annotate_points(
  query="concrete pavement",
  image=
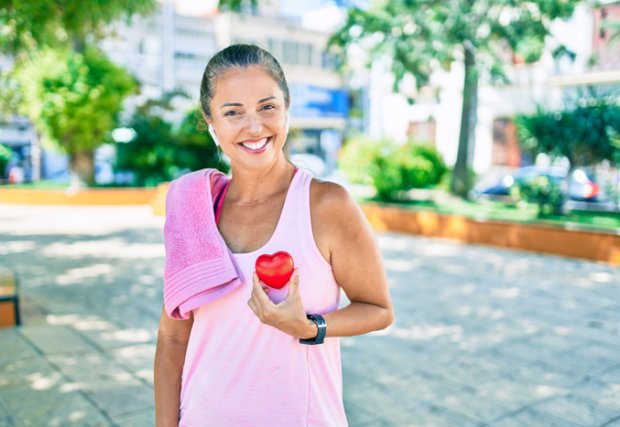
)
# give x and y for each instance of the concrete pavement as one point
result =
(483, 336)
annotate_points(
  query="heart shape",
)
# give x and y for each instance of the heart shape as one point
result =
(275, 270)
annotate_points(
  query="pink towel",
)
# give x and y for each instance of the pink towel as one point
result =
(199, 266)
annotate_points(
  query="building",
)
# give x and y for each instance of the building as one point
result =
(169, 50)
(435, 117)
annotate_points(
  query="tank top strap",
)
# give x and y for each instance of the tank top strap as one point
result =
(296, 211)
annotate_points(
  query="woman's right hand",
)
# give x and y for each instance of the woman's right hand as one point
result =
(288, 315)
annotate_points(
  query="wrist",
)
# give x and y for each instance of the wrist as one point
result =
(308, 330)
(320, 329)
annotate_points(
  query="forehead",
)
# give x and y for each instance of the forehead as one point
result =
(248, 82)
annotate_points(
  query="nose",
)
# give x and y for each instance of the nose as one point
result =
(254, 123)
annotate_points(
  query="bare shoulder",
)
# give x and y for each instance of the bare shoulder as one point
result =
(335, 213)
(331, 200)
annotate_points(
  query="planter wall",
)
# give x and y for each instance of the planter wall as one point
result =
(88, 196)
(597, 246)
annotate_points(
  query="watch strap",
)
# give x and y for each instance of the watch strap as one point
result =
(321, 325)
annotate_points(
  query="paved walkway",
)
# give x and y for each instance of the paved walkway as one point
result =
(483, 336)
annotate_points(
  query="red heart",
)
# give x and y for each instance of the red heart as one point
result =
(275, 270)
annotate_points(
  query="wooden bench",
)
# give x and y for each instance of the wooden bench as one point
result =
(9, 298)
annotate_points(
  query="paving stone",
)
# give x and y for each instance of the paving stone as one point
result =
(611, 375)
(357, 416)
(613, 423)
(480, 332)
(93, 371)
(432, 416)
(475, 405)
(390, 399)
(577, 410)
(530, 417)
(51, 339)
(137, 359)
(49, 404)
(121, 399)
(26, 371)
(140, 418)
(14, 346)
(604, 393)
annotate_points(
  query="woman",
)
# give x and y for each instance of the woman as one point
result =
(242, 359)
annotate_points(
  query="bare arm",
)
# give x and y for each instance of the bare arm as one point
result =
(347, 240)
(356, 262)
(172, 338)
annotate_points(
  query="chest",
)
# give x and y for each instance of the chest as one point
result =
(248, 228)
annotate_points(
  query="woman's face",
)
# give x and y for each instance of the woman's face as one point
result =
(248, 114)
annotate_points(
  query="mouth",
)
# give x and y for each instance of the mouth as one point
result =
(256, 146)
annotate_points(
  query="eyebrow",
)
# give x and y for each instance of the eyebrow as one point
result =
(237, 104)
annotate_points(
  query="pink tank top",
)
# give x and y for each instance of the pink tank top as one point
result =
(239, 372)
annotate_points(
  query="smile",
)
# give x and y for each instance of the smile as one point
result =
(256, 145)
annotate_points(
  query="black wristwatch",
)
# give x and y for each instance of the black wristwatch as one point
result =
(319, 321)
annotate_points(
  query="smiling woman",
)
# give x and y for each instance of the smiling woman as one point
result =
(232, 351)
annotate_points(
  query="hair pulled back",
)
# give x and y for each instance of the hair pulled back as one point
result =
(239, 56)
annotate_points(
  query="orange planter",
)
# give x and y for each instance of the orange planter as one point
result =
(87, 196)
(597, 246)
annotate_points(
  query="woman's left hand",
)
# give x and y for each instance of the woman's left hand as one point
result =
(288, 316)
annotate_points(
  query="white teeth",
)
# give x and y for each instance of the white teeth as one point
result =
(255, 145)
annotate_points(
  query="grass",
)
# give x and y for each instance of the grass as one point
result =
(504, 211)
(43, 185)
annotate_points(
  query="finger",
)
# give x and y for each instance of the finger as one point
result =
(293, 288)
(258, 292)
(252, 305)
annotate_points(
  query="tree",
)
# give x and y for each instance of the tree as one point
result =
(421, 36)
(26, 25)
(160, 152)
(585, 132)
(81, 113)
(73, 100)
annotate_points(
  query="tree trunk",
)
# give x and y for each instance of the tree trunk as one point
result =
(83, 167)
(461, 178)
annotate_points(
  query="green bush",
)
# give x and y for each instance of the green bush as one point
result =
(423, 166)
(543, 191)
(161, 153)
(391, 168)
(5, 156)
(357, 159)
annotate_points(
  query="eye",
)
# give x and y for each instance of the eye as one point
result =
(230, 113)
(269, 107)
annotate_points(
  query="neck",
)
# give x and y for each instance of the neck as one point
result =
(255, 186)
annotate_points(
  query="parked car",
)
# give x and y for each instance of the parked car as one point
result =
(581, 186)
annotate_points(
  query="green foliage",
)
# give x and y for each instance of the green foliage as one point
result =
(160, 152)
(424, 166)
(10, 96)
(35, 24)
(421, 36)
(5, 156)
(391, 168)
(237, 5)
(543, 191)
(356, 159)
(73, 99)
(586, 133)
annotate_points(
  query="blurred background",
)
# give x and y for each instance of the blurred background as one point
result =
(487, 122)
(472, 91)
